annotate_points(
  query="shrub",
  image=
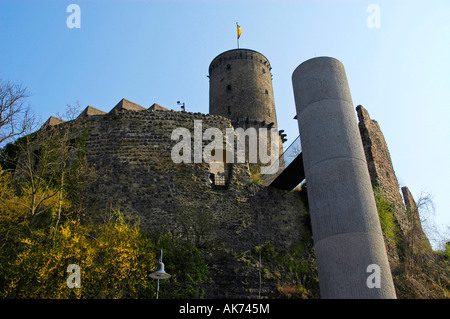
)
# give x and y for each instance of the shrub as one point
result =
(115, 262)
(388, 222)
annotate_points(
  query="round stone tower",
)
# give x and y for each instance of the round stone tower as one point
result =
(241, 88)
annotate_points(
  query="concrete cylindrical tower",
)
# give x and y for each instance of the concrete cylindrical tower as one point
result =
(349, 246)
(241, 87)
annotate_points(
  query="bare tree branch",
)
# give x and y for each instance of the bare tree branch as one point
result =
(15, 117)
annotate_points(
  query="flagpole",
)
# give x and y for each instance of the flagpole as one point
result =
(237, 34)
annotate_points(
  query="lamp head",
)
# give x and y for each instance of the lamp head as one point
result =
(160, 273)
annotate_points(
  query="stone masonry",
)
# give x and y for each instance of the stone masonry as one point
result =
(383, 175)
(130, 151)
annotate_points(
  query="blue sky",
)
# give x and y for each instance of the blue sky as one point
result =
(159, 52)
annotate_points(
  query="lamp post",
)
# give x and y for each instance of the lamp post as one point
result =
(159, 274)
(182, 106)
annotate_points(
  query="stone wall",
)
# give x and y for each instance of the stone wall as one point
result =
(379, 163)
(383, 175)
(131, 153)
(418, 237)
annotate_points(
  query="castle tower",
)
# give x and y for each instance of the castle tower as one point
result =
(241, 88)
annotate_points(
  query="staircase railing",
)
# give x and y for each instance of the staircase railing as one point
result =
(283, 161)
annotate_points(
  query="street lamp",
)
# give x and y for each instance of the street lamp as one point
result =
(182, 106)
(159, 273)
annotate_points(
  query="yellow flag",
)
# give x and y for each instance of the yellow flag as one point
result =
(238, 31)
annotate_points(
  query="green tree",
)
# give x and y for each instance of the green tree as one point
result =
(50, 172)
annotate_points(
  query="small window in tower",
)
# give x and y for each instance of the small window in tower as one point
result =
(229, 87)
(228, 66)
(229, 109)
(267, 92)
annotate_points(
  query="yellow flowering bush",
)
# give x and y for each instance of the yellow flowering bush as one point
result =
(115, 262)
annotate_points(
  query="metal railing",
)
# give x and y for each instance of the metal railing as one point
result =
(283, 161)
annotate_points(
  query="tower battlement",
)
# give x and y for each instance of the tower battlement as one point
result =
(239, 54)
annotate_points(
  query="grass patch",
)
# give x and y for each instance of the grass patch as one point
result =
(389, 224)
(255, 174)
